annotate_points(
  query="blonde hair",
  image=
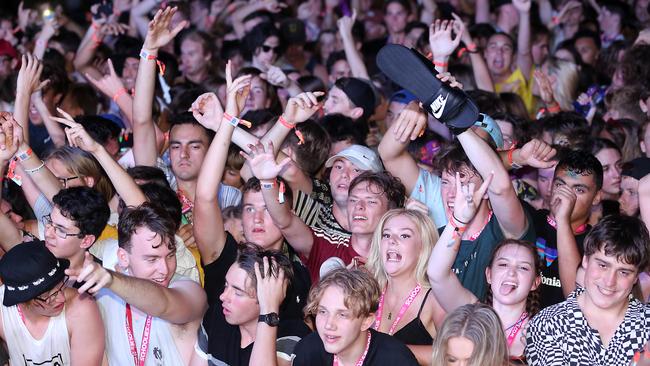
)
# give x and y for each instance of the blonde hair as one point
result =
(82, 164)
(428, 235)
(361, 292)
(566, 82)
(481, 325)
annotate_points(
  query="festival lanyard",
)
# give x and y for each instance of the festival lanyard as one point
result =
(579, 230)
(144, 345)
(514, 329)
(363, 356)
(402, 311)
(476, 235)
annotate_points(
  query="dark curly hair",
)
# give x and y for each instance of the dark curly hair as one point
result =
(533, 299)
(583, 163)
(86, 207)
(249, 254)
(389, 185)
(625, 237)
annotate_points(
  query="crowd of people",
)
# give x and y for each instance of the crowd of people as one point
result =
(325, 182)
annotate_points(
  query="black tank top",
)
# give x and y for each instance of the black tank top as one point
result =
(414, 332)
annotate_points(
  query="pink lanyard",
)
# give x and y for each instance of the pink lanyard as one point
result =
(144, 345)
(363, 356)
(514, 329)
(405, 306)
(579, 230)
(476, 235)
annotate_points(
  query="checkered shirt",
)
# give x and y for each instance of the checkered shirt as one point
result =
(560, 335)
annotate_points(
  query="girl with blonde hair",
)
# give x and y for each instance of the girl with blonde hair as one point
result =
(471, 335)
(398, 260)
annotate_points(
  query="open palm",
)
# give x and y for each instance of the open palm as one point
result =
(262, 162)
(159, 33)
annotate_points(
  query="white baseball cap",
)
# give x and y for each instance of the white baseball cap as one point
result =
(362, 157)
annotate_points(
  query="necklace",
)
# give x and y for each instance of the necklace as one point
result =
(407, 303)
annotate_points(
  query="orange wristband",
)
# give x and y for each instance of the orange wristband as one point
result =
(118, 94)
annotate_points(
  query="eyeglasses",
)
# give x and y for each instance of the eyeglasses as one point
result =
(64, 181)
(266, 48)
(50, 298)
(60, 232)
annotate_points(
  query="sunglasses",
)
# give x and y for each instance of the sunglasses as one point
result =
(266, 48)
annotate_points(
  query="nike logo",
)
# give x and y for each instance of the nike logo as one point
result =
(438, 105)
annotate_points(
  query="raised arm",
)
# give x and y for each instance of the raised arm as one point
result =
(11, 137)
(357, 66)
(112, 87)
(392, 149)
(145, 151)
(482, 11)
(272, 6)
(445, 285)
(209, 233)
(568, 255)
(266, 169)
(28, 82)
(479, 67)
(524, 55)
(442, 44)
(644, 200)
(503, 198)
(184, 301)
(125, 186)
(99, 28)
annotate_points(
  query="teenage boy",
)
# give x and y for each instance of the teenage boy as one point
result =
(600, 323)
(147, 314)
(576, 187)
(44, 322)
(632, 173)
(219, 249)
(344, 303)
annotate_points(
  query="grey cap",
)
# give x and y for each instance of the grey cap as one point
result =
(361, 156)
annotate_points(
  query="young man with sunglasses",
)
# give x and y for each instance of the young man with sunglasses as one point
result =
(42, 321)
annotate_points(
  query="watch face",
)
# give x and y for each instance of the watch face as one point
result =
(272, 319)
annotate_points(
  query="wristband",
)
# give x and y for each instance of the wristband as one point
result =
(512, 164)
(30, 171)
(118, 94)
(458, 230)
(440, 64)
(456, 219)
(281, 193)
(285, 123)
(23, 155)
(11, 173)
(96, 39)
(234, 121)
(472, 48)
(150, 56)
(267, 185)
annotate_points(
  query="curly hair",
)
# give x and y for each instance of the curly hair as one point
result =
(85, 206)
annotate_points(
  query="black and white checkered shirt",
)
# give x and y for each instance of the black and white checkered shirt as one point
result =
(560, 335)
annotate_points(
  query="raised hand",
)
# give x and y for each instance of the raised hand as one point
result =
(410, 123)
(446, 77)
(440, 40)
(468, 199)
(562, 203)
(77, 135)
(207, 110)
(570, 5)
(11, 137)
(109, 84)
(262, 162)
(29, 75)
(271, 286)
(24, 16)
(159, 34)
(460, 28)
(301, 107)
(93, 274)
(544, 85)
(535, 153)
(237, 91)
(346, 23)
(522, 6)
(273, 6)
(276, 77)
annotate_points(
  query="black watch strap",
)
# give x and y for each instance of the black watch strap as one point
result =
(271, 319)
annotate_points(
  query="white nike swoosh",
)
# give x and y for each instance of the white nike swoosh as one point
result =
(437, 113)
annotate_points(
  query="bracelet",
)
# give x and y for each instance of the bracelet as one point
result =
(30, 171)
(281, 192)
(456, 219)
(472, 48)
(440, 64)
(24, 155)
(285, 123)
(234, 121)
(554, 107)
(458, 231)
(118, 94)
(512, 164)
(144, 54)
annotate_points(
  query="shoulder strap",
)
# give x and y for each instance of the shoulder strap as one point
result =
(424, 301)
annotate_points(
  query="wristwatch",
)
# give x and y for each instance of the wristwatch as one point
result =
(271, 319)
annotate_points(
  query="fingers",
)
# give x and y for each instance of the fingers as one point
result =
(228, 73)
(486, 184)
(66, 115)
